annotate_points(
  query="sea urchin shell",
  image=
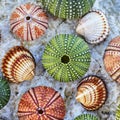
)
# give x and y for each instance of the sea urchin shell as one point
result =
(41, 103)
(118, 113)
(66, 57)
(28, 22)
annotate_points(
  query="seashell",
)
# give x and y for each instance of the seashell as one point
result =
(28, 22)
(68, 9)
(91, 93)
(112, 59)
(4, 92)
(94, 27)
(18, 64)
(66, 57)
(41, 103)
(118, 113)
(87, 117)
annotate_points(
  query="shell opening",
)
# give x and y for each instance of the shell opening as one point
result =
(28, 18)
(65, 59)
(40, 111)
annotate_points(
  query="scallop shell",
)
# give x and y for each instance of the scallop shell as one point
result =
(41, 103)
(68, 8)
(66, 57)
(4, 92)
(112, 59)
(28, 22)
(18, 64)
(118, 113)
(91, 93)
(94, 27)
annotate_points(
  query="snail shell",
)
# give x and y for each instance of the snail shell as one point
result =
(91, 93)
(18, 64)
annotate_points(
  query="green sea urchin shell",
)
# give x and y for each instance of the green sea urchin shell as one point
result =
(86, 117)
(66, 57)
(118, 113)
(68, 8)
(4, 92)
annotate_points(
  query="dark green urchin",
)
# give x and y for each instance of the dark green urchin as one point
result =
(86, 117)
(68, 8)
(4, 92)
(118, 113)
(66, 57)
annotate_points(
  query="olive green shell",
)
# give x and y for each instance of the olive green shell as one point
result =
(86, 117)
(4, 92)
(118, 113)
(66, 57)
(68, 8)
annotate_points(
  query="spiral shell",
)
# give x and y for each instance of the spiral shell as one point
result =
(18, 64)
(4, 92)
(66, 57)
(91, 93)
(68, 8)
(41, 103)
(112, 59)
(118, 113)
(28, 22)
(94, 27)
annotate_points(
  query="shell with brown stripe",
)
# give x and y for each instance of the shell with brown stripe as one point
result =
(41, 103)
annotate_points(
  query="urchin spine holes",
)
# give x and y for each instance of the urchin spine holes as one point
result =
(65, 59)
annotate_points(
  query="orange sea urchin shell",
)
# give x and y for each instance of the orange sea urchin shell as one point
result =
(41, 103)
(28, 22)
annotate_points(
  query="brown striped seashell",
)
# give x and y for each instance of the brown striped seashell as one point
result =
(41, 103)
(18, 64)
(112, 59)
(94, 27)
(91, 93)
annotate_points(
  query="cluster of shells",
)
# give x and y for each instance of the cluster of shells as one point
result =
(29, 22)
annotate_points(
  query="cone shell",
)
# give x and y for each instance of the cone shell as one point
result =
(118, 113)
(18, 64)
(28, 22)
(112, 59)
(41, 103)
(91, 93)
(94, 27)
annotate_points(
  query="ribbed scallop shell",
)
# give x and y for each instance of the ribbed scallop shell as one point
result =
(18, 64)
(118, 113)
(94, 27)
(91, 93)
(41, 103)
(28, 22)
(68, 8)
(4, 92)
(66, 57)
(112, 59)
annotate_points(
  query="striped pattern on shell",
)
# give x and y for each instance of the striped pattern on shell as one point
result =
(66, 57)
(28, 22)
(4, 92)
(68, 8)
(112, 59)
(18, 64)
(91, 93)
(118, 113)
(94, 27)
(41, 103)
(86, 117)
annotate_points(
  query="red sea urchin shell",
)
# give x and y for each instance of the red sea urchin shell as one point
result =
(41, 103)
(28, 22)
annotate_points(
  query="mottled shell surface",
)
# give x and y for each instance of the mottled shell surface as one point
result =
(94, 27)
(86, 117)
(41, 103)
(18, 64)
(112, 59)
(91, 93)
(66, 57)
(28, 22)
(68, 8)
(118, 113)
(4, 92)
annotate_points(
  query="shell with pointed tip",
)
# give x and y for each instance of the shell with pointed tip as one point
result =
(94, 27)
(18, 64)
(118, 113)
(112, 59)
(91, 93)
(4, 92)
(41, 103)
(66, 57)
(28, 22)
(68, 9)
